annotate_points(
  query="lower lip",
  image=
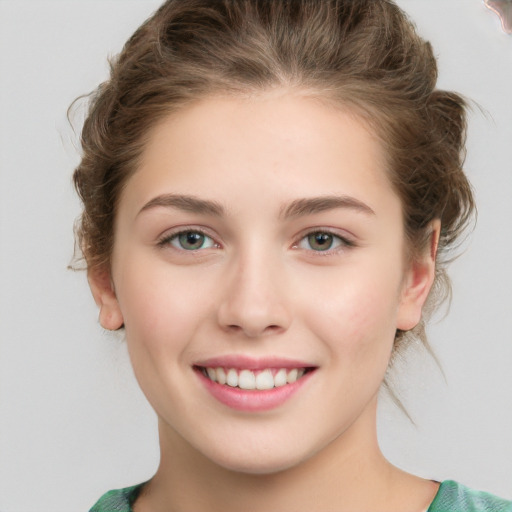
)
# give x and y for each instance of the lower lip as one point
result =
(252, 400)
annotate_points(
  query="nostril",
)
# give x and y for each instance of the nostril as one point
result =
(253, 331)
(273, 329)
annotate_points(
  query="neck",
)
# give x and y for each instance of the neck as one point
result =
(350, 472)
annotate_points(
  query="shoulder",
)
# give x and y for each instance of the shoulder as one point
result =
(118, 500)
(455, 497)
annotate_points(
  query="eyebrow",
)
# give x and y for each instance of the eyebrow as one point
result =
(186, 203)
(309, 206)
(297, 208)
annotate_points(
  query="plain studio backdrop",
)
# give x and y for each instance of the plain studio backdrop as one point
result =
(72, 420)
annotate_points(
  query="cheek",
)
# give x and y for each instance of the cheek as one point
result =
(357, 319)
(161, 309)
(162, 314)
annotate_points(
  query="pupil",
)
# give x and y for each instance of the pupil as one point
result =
(320, 241)
(191, 240)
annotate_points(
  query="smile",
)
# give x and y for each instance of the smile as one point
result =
(253, 386)
(264, 379)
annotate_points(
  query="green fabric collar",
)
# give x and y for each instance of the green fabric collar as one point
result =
(451, 497)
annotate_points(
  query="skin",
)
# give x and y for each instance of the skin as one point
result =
(258, 288)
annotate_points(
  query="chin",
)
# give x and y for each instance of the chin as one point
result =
(258, 467)
(258, 461)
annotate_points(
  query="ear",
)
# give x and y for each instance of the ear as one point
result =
(104, 295)
(418, 282)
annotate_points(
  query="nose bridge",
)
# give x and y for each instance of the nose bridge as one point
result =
(255, 301)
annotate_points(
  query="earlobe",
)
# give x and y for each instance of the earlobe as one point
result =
(418, 282)
(104, 295)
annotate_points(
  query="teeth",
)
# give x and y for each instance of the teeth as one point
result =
(280, 378)
(247, 379)
(232, 378)
(292, 376)
(264, 380)
(221, 376)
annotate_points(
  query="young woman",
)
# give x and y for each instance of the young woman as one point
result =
(269, 190)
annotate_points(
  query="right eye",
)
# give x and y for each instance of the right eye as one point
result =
(324, 241)
(190, 240)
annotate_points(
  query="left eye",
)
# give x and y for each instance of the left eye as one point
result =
(321, 241)
(191, 241)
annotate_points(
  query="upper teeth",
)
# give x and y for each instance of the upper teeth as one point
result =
(247, 379)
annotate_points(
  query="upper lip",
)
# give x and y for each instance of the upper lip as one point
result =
(252, 363)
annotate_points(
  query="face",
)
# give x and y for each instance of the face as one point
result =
(259, 270)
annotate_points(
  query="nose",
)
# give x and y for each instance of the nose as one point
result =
(255, 301)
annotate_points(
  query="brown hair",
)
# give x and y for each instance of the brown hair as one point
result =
(363, 55)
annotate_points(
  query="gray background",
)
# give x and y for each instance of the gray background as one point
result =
(72, 421)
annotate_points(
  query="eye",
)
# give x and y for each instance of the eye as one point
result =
(322, 241)
(191, 240)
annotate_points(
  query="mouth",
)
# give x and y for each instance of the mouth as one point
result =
(254, 380)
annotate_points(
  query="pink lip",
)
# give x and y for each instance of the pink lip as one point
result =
(240, 362)
(251, 400)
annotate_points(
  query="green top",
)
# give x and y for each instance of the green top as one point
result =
(451, 497)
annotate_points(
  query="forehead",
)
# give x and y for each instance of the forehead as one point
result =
(278, 143)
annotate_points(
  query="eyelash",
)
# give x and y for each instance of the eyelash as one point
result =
(342, 243)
